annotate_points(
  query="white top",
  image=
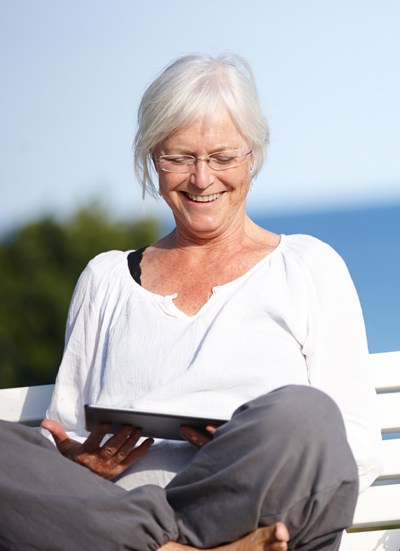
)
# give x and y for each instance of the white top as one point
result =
(294, 318)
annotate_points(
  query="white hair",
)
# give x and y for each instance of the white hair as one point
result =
(194, 87)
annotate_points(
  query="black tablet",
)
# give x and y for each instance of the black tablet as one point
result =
(155, 425)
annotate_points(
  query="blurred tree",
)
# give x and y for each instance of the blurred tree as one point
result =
(39, 266)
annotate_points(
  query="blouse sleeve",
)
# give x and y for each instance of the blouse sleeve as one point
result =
(71, 390)
(337, 357)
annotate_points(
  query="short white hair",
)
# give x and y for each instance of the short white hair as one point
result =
(194, 87)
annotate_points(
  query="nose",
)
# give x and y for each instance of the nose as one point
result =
(201, 174)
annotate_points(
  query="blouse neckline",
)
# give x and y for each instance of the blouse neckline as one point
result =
(167, 301)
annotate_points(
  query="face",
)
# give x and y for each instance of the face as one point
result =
(206, 203)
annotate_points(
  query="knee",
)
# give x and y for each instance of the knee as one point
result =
(296, 410)
(307, 403)
(302, 426)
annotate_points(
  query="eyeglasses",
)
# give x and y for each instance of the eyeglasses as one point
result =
(223, 160)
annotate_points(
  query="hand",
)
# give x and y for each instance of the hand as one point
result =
(109, 460)
(196, 438)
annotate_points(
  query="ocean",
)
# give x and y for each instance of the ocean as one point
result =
(368, 239)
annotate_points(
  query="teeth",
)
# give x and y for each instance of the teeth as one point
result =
(203, 198)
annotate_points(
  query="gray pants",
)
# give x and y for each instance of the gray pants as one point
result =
(283, 456)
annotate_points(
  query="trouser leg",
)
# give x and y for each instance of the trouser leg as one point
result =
(49, 503)
(282, 457)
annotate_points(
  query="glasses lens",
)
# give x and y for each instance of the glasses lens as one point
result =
(217, 161)
(225, 159)
(176, 163)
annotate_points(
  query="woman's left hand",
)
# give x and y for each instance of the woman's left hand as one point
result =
(196, 438)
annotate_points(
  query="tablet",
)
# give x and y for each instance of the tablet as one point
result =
(154, 425)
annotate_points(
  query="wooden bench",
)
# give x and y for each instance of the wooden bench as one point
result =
(377, 518)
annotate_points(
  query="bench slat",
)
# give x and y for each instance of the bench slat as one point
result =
(389, 405)
(385, 371)
(391, 459)
(377, 540)
(26, 405)
(378, 506)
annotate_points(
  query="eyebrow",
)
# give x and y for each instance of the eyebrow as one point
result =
(186, 151)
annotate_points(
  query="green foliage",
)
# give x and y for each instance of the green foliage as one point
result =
(39, 266)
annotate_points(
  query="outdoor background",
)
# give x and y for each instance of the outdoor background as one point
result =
(72, 74)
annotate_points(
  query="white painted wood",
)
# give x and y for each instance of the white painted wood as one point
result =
(386, 371)
(380, 540)
(391, 459)
(378, 506)
(26, 404)
(389, 405)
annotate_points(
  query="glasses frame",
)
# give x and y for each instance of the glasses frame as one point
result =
(193, 160)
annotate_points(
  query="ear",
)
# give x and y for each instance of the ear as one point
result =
(155, 166)
(154, 154)
(252, 162)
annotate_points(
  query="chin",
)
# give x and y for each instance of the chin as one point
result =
(209, 231)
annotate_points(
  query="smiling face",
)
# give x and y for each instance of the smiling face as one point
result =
(206, 203)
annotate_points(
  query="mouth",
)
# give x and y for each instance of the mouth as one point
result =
(202, 198)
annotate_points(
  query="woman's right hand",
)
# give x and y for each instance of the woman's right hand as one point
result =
(196, 438)
(109, 460)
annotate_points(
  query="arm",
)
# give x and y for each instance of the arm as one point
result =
(74, 385)
(337, 357)
(73, 380)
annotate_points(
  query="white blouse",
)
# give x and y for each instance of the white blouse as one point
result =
(294, 318)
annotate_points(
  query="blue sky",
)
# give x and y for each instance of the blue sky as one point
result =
(72, 74)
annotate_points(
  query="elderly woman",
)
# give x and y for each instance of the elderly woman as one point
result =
(217, 314)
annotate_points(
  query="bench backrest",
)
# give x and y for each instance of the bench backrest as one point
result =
(377, 518)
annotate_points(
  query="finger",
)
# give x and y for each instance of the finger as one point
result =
(56, 430)
(281, 532)
(111, 470)
(279, 546)
(120, 445)
(93, 441)
(268, 538)
(115, 469)
(128, 445)
(137, 453)
(195, 438)
(211, 429)
(278, 538)
(65, 445)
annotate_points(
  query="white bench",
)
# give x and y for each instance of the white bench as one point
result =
(377, 518)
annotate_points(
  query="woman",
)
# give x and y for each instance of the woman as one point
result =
(216, 313)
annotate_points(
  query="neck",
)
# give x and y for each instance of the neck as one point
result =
(234, 238)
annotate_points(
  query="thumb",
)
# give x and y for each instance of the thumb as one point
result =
(65, 445)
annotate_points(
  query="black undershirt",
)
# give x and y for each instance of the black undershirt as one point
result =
(134, 260)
